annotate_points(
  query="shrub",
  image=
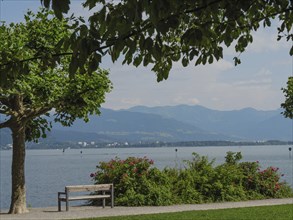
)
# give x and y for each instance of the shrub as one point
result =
(263, 183)
(228, 184)
(138, 183)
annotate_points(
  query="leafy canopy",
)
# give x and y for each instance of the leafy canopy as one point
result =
(288, 104)
(41, 85)
(159, 33)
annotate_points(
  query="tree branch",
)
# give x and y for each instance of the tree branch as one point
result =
(29, 114)
(4, 100)
(200, 8)
(6, 124)
(3, 112)
(35, 58)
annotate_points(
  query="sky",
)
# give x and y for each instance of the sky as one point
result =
(255, 83)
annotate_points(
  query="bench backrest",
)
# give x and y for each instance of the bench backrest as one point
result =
(82, 188)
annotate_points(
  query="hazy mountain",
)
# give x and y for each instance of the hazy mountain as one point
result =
(135, 126)
(173, 123)
(246, 123)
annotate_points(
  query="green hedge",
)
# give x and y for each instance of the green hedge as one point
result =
(138, 183)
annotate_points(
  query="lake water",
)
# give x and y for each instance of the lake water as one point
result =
(48, 171)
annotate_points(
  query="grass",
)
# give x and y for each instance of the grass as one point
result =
(276, 212)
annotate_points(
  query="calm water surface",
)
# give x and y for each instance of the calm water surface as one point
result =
(48, 171)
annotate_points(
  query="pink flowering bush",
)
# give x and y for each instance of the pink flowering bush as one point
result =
(138, 183)
(267, 183)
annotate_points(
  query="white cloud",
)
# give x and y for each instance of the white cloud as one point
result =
(184, 100)
(265, 41)
(263, 73)
(260, 78)
(253, 82)
(131, 102)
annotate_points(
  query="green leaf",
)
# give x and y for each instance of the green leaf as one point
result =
(211, 59)
(198, 61)
(236, 61)
(148, 44)
(185, 61)
(94, 62)
(60, 7)
(147, 59)
(137, 61)
(90, 3)
(173, 22)
(193, 53)
(157, 53)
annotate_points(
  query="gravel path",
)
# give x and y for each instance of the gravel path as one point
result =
(51, 213)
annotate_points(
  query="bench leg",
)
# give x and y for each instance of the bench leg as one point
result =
(104, 200)
(67, 206)
(59, 205)
(112, 197)
(104, 203)
(112, 203)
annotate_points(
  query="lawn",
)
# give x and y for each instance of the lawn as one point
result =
(277, 212)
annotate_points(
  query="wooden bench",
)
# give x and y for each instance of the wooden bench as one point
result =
(104, 191)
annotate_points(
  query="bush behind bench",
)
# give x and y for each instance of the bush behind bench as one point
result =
(138, 183)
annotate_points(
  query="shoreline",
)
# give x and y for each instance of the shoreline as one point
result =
(76, 212)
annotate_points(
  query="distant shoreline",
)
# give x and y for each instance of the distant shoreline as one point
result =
(74, 145)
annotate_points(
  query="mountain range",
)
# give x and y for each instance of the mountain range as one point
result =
(173, 123)
(244, 124)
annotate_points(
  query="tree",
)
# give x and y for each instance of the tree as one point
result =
(158, 33)
(288, 104)
(39, 87)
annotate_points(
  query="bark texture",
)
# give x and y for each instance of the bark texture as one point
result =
(18, 196)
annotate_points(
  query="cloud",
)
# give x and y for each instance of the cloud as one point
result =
(264, 41)
(131, 102)
(253, 82)
(260, 78)
(183, 100)
(264, 73)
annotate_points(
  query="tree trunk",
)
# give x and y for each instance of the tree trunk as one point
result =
(18, 196)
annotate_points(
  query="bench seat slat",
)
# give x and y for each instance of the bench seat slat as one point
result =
(82, 188)
(72, 198)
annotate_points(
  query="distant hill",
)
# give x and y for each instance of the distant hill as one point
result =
(172, 124)
(125, 125)
(247, 124)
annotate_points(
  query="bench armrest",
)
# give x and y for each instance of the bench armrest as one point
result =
(61, 193)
